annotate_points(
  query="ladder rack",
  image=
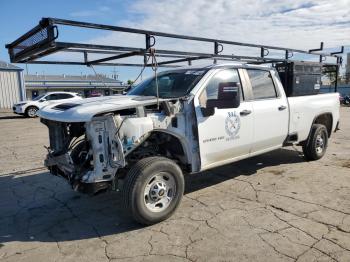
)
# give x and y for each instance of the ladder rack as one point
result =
(43, 40)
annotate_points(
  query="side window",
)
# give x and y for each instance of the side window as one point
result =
(52, 97)
(64, 96)
(262, 84)
(222, 77)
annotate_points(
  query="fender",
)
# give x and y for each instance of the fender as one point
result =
(314, 122)
(183, 141)
(330, 127)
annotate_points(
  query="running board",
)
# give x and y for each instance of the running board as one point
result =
(291, 139)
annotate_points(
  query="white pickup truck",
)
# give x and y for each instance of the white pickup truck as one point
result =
(205, 117)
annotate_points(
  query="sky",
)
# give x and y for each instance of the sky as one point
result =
(295, 24)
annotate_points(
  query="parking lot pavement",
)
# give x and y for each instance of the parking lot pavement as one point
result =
(275, 207)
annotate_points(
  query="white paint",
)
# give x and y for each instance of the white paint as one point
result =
(21, 106)
(224, 137)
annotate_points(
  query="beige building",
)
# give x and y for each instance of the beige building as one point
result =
(11, 85)
(86, 85)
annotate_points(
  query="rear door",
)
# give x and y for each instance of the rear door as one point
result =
(228, 133)
(270, 108)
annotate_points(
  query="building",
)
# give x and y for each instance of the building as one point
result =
(86, 85)
(11, 85)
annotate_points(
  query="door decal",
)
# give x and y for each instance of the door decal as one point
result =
(232, 124)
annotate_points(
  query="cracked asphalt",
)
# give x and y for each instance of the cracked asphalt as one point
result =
(274, 207)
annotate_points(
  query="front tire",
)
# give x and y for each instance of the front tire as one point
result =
(31, 111)
(153, 189)
(316, 145)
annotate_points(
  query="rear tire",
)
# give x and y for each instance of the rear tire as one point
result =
(316, 145)
(31, 111)
(153, 189)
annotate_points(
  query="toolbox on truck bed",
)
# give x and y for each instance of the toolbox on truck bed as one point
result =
(300, 78)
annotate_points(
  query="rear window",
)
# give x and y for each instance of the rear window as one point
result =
(262, 84)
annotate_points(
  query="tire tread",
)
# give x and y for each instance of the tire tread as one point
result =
(309, 147)
(131, 181)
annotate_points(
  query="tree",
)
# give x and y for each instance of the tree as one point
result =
(130, 82)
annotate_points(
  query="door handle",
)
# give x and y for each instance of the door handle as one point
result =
(280, 108)
(245, 112)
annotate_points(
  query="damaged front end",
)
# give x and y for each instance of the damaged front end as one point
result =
(96, 153)
(87, 154)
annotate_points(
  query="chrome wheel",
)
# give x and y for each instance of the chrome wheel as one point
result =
(315, 146)
(159, 192)
(319, 144)
(32, 112)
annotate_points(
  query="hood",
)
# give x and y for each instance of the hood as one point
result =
(22, 102)
(84, 110)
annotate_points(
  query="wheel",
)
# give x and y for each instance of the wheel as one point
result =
(31, 111)
(316, 145)
(153, 189)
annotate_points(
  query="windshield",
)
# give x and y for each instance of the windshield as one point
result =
(171, 84)
(38, 97)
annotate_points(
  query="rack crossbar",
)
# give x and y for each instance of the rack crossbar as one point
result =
(41, 42)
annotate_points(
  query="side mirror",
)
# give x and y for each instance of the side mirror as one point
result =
(228, 97)
(42, 100)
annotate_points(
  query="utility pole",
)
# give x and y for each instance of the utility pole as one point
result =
(114, 75)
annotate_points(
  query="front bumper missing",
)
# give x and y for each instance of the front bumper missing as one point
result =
(105, 156)
(64, 162)
(61, 165)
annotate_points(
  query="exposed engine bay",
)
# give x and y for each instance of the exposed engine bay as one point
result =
(94, 155)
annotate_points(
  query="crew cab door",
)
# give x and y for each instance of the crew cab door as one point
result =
(270, 107)
(225, 132)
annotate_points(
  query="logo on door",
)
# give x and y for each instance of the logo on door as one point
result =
(232, 124)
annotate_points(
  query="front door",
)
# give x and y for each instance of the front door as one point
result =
(227, 134)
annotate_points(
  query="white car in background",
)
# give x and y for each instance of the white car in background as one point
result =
(29, 108)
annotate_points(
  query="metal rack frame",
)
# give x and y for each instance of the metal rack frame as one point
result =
(42, 41)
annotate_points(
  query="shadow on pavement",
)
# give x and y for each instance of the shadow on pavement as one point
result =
(4, 117)
(41, 207)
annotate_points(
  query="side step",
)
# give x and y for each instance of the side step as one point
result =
(291, 139)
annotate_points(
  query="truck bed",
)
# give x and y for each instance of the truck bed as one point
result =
(305, 109)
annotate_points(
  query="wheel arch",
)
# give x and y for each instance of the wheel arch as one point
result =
(29, 106)
(175, 144)
(325, 119)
